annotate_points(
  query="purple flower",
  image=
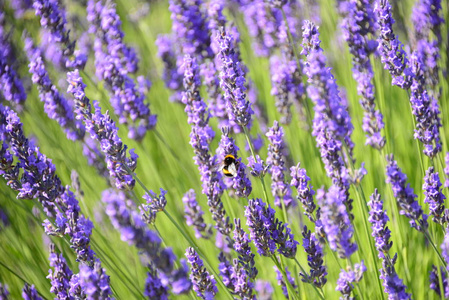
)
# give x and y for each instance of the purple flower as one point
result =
(358, 23)
(154, 203)
(378, 218)
(194, 215)
(279, 187)
(135, 232)
(405, 196)
(103, 129)
(446, 170)
(257, 166)
(332, 125)
(29, 292)
(243, 248)
(114, 60)
(300, 181)
(232, 81)
(281, 281)
(172, 73)
(190, 28)
(392, 55)
(346, 280)
(3, 292)
(200, 137)
(264, 290)
(12, 87)
(21, 7)
(435, 282)
(427, 18)
(240, 183)
(95, 282)
(425, 109)
(203, 284)
(154, 288)
(60, 276)
(267, 233)
(52, 17)
(315, 261)
(336, 222)
(434, 196)
(55, 105)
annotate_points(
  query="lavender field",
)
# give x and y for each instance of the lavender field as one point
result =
(224, 149)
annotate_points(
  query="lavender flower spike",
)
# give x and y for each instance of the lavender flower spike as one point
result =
(12, 87)
(405, 196)
(446, 170)
(55, 105)
(347, 278)
(240, 183)
(243, 248)
(200, 138)
(393, 56)
(61, 275)
(357, 25)
(95, 282)
(194, 215)
(282, 283)
(280, 189)
(53, 18)
(378, 218)
(300, 181)
(29, 292)
(153, 286)
(102, 128)
(315, 261)
(232, 81)
(3, 291)
(336, 222)
(434, 197)
(203, 284)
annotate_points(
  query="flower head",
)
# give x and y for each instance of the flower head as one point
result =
(203, 284)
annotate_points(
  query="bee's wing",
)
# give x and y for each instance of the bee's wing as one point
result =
(232, 169)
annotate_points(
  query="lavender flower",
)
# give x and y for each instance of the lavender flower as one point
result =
(332, 125)
(114, 61)
(281, 281)
(194, 215)
(300, 181)
(427, 18)
(269, 233)
(232, 81)
(226, 271)
(134, 231)
(60, 276)
(190, 27)
(336, 221)
(280, 189)
(378, 218)
(264, 290)
(102, 128)
(21, 7)
(154, 288)
(12, 87)
(200, 138)
(282, 86)
(425, 109)
(95, 282)
(154, 203)
(435, 282)
(172, 73)
(257, 166)
(434, 197)
(357, 25)
(346, 280)
(203, 284)
(243, 248)
(405, 196)
(446, 170)
(29, 292)
(315, 261)
(392, 55)
(55, 105)
(4, 292)
(243, 285)
(52, 18)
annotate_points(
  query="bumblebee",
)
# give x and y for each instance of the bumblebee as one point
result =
(229, 166)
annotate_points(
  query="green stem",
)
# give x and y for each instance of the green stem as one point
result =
(426, 233)
(290, 289)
